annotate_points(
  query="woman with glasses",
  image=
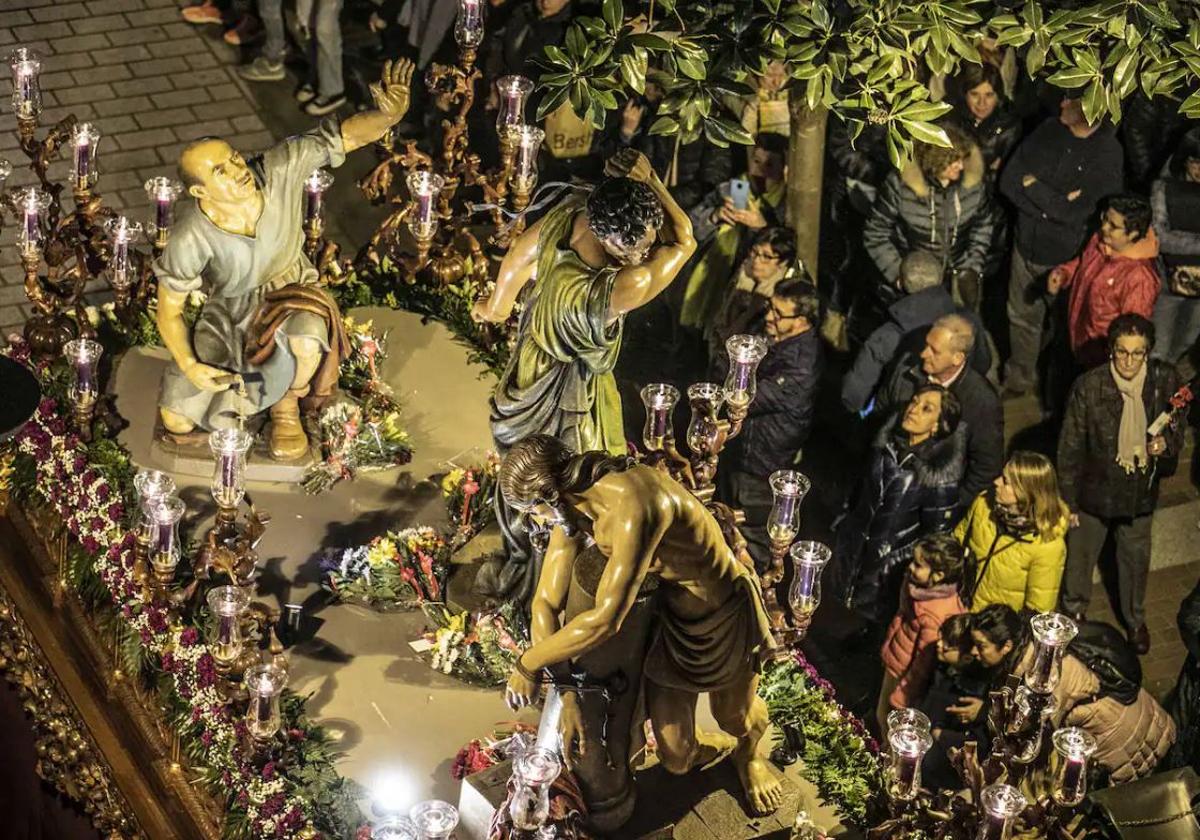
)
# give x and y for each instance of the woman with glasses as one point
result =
(1110, 465)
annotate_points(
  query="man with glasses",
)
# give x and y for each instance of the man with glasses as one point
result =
(1109, 468)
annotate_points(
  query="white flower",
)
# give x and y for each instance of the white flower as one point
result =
(93, 315)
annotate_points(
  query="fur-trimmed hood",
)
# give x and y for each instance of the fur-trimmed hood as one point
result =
(937, 462)
(973, 172)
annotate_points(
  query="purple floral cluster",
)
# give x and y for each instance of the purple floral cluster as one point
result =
(826, 688)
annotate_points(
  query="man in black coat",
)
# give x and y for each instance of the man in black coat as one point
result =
(1109, 468)
(943, 361)
(925, 300)
(780, 417)
(1054, 179)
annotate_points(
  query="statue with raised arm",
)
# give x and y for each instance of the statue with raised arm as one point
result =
(265, 323)
(592, 260)
(711, 634)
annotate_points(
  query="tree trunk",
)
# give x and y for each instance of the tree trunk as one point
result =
(806, 166)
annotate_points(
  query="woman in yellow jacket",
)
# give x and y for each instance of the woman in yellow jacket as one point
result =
(1016, 536)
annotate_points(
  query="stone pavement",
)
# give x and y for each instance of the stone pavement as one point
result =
(147, 80)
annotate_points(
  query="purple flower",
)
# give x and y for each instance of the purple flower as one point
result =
(189, 636)
(206, 671)
(90, 545)
(268, 771)
(206, 738)
(272, 806)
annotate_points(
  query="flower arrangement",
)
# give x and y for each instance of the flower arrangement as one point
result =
(360, 432)
(402, 569)
(479, 648)
(300, 795)
(840, 757)
(481, 753)
(470, 493)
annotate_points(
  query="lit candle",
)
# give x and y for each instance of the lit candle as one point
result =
(435, 819)
(908, 747)
(121, 233)
(27, 93)
(1073, 748)
(264, 683)
(468, 27)
(163, 192)
(150, 487)
(83, 354)
(424, 187)
(703, 431)
(85, 137)
(809, 559)
(314, 197)
(660, 400)
(745, 352)
(229, 447)
(1051, 634)
(166, 514)
(32, 202)
(529, 141)
(226, 604)
(514, 91)
(789, 489)
(1001, 804)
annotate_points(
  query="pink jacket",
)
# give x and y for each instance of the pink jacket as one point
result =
(910, 648)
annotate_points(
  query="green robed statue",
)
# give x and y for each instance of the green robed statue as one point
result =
(593, 261)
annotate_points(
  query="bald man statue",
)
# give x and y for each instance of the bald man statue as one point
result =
(265, 319)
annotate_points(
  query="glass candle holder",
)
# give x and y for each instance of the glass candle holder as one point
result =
(264, 684)
(1073, 750)
(424, 187)
(745, 352)
(31, 203)
(809, 559)
(1033, 709)
(226, 606)
(1052, 632)
(394, 827)
(84, 170)
(660, 400)
(1000, 806)
(907, 717)
(162, 192)
(534, 772)
(26, 85)
(150, 486)
(908, 747)
(122, 233)
(165, 514)
(434, 819)
(468, 25)
(528, 140)
(314, 200)
(514, 93)
(229, 448)
(789, 488)
(83, 354)
(705, 399)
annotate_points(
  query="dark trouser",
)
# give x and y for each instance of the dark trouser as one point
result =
(1084, 545)
(1026, 317)
(752, 495)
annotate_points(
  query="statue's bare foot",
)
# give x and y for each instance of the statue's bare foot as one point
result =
(712, 748)
(763, 791)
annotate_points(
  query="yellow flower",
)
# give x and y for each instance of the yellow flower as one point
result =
(381, 553)
(452, 480)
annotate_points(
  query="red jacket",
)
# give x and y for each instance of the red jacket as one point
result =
(1104, 284)
(910, 647)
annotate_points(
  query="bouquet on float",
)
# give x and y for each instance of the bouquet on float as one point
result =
(470, 494)
(402, 569)
(479, 648)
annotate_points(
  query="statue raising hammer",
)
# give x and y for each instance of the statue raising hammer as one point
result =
(265, 321)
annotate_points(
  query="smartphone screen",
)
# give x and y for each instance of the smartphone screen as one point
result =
(739, 191)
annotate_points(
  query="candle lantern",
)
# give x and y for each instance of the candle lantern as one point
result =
(162, 192)
(264, 684)
(907, 717)
(149, 486)
(26, 86)
(514, 93)
(534, 771)
(121, 275)
(908, 747)
(1073, 750)
(31, 203)
(1032, 710)
(165, 514)
(424, 187)
(809, 559)
(660, 400)
(83, 354)
(434, 819)
(789, 489)
(528, 140)
(84, 170)
(314, 202)
(395, 827)
(468, 26)
(1052, 632)
(1001, 805)
(229, 448)
(745, 352)
(226, 606)
(705, 434)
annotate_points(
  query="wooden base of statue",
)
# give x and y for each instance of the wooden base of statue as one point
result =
(190, 455)
(604, 774)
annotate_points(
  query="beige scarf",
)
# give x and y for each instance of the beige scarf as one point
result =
(1131, 436)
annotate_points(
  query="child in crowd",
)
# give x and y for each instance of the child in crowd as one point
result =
(929, 598)
(956, 676)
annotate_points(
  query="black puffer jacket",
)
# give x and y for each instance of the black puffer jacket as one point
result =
(911, 214)
(1184, 704)
(997, 136)
(908, 492)
(1089, 476)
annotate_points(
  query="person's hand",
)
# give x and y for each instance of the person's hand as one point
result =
(1073, 520)
(570, 727)
(632, 164)
(1028, 180)
(1055, 281)
(208, 378)
(751, 217)
(521, 691)
(376, 23)
(631, 117)
(967, 709)
(392, 93)
(1074, 194)
(1157, 446)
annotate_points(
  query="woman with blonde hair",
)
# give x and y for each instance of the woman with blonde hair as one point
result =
(1016, 536)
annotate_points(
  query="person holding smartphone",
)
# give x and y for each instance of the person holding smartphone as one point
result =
(725, 221)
